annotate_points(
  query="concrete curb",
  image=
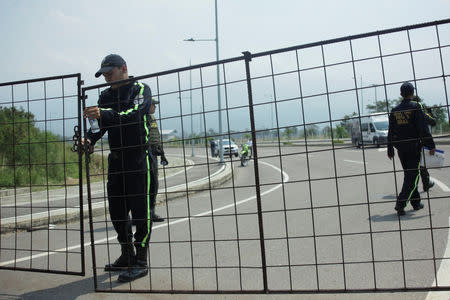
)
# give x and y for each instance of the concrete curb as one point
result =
(63, 215)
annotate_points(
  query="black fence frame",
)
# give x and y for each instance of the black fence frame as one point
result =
(246, 59)
(44, 225)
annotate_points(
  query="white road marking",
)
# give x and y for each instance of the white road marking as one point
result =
(443, 274)
(440, 184)
(354, 161)
(63, 250)
(190, 165)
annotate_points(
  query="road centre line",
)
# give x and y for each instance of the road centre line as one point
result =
(87, 244)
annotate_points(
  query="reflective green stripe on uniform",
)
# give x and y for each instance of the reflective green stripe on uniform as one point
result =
(136, 106)
(423, 110)
(415, 183)
(148, 183)
(147, 160)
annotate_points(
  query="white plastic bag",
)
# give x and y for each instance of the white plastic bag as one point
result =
(432, 161)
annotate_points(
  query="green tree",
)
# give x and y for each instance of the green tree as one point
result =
(288, 132)
(29, 156)
(340, 132)
(312, 130)
(347, 121)
(380, 106)
(440, 113)
(326, 131)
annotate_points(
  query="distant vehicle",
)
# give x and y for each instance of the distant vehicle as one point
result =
(229, 148)
(373, 131)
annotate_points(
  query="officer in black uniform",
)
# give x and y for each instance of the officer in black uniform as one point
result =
(407, 133)
(123, 112)
(430, 119)
(157, 150)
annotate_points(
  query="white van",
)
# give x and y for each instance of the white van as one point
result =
(374, 130)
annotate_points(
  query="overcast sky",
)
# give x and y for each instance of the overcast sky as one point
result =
(54, 37)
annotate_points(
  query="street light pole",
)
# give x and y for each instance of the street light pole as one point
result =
(219, 104)
(362, 99)
(192, 117)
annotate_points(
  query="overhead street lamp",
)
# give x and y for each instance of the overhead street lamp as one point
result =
(375, 87)
(218, 81)
(362, 99)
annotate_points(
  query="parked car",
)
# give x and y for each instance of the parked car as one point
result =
(229, 148)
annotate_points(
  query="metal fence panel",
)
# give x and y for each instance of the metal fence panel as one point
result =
(313, 210)
(40, 187)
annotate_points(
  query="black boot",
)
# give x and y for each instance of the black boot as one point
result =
(126, 259)
(139, 269)
(428, 186)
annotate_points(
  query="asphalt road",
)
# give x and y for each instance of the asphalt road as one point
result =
(211, 240)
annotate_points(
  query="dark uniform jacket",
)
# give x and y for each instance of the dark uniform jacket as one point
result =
(407, 128)
(430, 119)
(124, 114)
(155, 137)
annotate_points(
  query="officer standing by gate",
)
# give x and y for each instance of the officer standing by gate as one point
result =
(407, 133)
(157, 150)
(123, 112)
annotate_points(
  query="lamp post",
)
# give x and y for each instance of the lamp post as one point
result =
(362, 100)
(375, 88)
(218, 80)
(192, 117)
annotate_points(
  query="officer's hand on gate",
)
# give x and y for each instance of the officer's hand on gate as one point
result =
(91, 112)
(432, 151)
(90, 147)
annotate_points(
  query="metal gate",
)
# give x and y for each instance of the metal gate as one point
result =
(311, 212)
(41, 200)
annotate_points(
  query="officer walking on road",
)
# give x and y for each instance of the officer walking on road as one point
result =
(408, 132)
(430, 120)
(157, 150)
(123, 112)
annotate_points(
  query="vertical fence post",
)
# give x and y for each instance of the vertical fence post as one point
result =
(88, 190)
(80, 171)
(248, 58)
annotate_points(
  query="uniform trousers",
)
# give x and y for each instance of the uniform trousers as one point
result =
(154, 184)
(410, 161)
(128, 186)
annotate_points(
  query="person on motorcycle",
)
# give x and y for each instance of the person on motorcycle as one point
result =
(245, 150)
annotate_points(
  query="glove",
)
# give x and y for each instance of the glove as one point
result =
(164, 161)
(390, 152)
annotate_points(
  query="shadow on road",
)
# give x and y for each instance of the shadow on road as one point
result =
(393, 217)
(67, 291)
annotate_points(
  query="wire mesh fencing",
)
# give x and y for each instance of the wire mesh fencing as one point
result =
(309, 207)
(277, 177)
(40, 176)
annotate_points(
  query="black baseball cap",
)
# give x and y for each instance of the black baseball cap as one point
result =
(109, 62)
(155, 101)
(406, 89)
